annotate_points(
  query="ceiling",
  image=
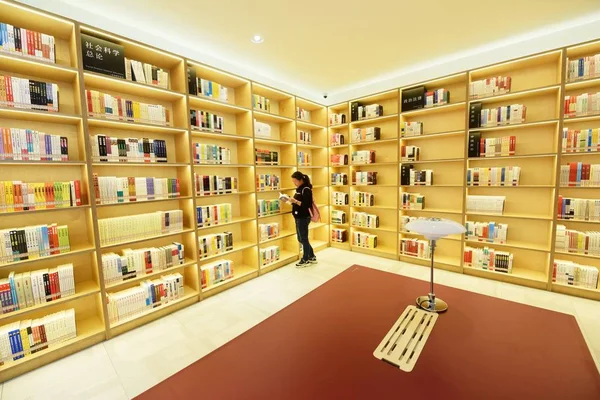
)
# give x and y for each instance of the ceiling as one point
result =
(328, 46)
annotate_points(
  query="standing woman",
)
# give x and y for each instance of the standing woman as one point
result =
(301, 203)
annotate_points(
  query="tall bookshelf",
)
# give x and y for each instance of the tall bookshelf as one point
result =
(339, 129)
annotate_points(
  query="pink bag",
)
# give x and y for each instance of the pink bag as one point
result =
(313, 210)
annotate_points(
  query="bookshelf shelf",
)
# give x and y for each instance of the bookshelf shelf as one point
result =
(75, 250)
(375, 207)
(215, 105)
(309, 146)
(562, 221)
(200, 165)
(39, 69)
(235, 220)
(115, 286)
(197, 133)
(434, 210)
(435, 161)
(512, 244)
(134, 126)
(237, 246)
(566, 253)
(512, 187)
(582, 84)
(146, 239)
(285, 257)
(516, 157)
(274, 215)
(434, 135)
(105, 82)
(200, 196)
(523, 94)
(40, 116)
(133, 203)
(316, 225)
(579, 154)
(240, 272)
(270, 117)
(439, 259)
(379, 249)
(593, 294)
(282, 234)
(372, 142)
(373, 120)
(375, 164)
(429, 186)
(435, 110)
(46, 210)
(307, 125)
(381, 228)
(513, 215)
(138, 164)
(273, 141)
(340, 146)
(452, 238)
(521, 276)
(45, 163)
(515, 126)
(366, 185)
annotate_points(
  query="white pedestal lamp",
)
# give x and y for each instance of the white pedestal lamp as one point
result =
(433, 229)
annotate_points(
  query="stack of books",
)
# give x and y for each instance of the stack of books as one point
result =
(148, 74)
(337, 119)
(364, 240)
(339, 159)
(490, 232)
(338, 217)
(18, 196)
(268, 207)
(31, 242)
(580, 140)
(583, 68)
(211, 154)
(410, 153)
(366, 134)
(267, 182)
(262, 129)
(103, 105)
(488, 259)
(215, 243)
(411, 129)
(141, 226)
(493, 176)
(28, 94)
(304, 137)
(363, 157)
(134, 150)
(580, 174)
(208, 88)
(338, 235)
(486, 204)
(488, 87)
(268, 231)
(363, 199)
(339, 179)
(302, 114)
(27, 43)
(150, 294)
(436, 98)
(339, 198)
(210, 185)
(578, 209)
(132, 263)
(582, 105)
(31, 288)
(269, 255)
(364, 178)
(415, 247)
(304, 159)
(412, 201)
(29, 145)
(337, 139)
(573, 241)
(365, 220)
(266, 157)
(261, 103)
(214, 214)
(112, 189)
(207, 121)
(570, 273)
(216, 272)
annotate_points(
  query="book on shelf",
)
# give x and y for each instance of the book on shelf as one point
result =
(435, 98)
(304, 137)
(210, 185)
(268, 231)
(338, 235)
(363, 199)
(134, 263)
(30, 145)
(207, 121)
(337, 139)
(304, 158)
(21, 339)
(28, 94)
(103, 105)
(339, 179)
(361, 112)
(262, 129)
(339, 198)
(148, 74)
(127, 304)
(365, 220)
(475, 115)
(580, 68)
(27, 43)
(113, 189)
(339, 159)
(580, 140)
(337, 119)
(215, 243)
(214, 214)
(491, 232)
(269, 255)
(577, 242)
(410, 153)
(141, 226)
(578, 174)
(486, 204)
(413, 98)
(420, 248)
(33, 242)
(266, 157)
(211, 154)
(28, 289)
(302, 114)
(504, 115)
(491, 147)
(488, 259)
(578, 209)
(570, 273)
(582, 105)
(338, 217)
(216, 272)
(364, 240)
(489, 87)
(266, 207)
(267, 182)
(363, 157)
(18, 196)
(134, 150)
(364, 178)
(204, 87)
(412, 201)
(370, 134)
(493, 176)
(261, 103)
(409, 129)
(404, 220)
(420, 177)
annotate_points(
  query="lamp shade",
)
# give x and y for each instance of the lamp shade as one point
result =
(435, 228)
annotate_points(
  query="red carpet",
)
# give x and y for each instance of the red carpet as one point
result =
(321, 347)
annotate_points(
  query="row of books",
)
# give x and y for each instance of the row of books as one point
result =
(210, 185)
(269, 255)
(365, 220)
(370, 134)
(28, 94)
(438, 97)
(410, 153)
(262, 129)
(498, 116)
(570, 273)
(302, 114)
(210, 154)
(363, 157)
(578, 209)
(339, 179)
(304, 158)
(363, 199)
(23, 290)
(261, 103)
(574, 241)
(137, 71)
(134, 150)
(20, 196)
(337, 139)
(491, 147)
(583, 68)
(413, 128)
(582, 105)
(412, 201)
(268, 231)
(364, 240)
(338, 235)
(30, 145)
(364, 178)
(488, 259)
(267, 182)
(21, 339)
(150, 294)
(488, 87)
(304, 137)
(580, 140)
(133, 263)
(266, 207)
(578, 174)
(208, 88)
(414, 177)
(415, 247)
(486, 204)
(216, 272)
(103, 105)
(207, 121)
(113, 189)
(215, 243)
(339, 159)
(337, 119)
(493, 176)
(491, 232)
(266, 157)
(32, 242)
(214, 214)
(338, 217)
(359, 112)
(141, 226)
(339, 198)
(27, 43)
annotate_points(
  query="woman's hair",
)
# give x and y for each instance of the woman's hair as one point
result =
(301, 177)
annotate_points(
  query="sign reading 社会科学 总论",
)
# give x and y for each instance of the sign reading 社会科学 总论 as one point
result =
(102, 56)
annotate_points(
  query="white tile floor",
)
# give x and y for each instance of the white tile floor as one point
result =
(129, 364)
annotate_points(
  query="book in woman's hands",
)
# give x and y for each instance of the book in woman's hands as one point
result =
(284, 197)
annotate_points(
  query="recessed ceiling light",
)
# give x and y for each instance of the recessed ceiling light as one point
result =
(257, 39)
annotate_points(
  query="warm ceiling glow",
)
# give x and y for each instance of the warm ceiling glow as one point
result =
(257, 39)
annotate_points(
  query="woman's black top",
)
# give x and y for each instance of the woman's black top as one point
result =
(303, 194)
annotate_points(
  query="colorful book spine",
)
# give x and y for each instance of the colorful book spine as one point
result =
(269, 255)
(28, 94)
(214, 214)
(363, 157)
(211, 89)
(409, 153)
(569, 273)
(304, 158)
(266, 157)
(415, 248)
(339, 235)
(267, 182)
(103, 105)
(216, 272)
(211, 154)
(268, 231)
(211, 185)
(268, 207)
(337, 139)
(578, 174)
(412, 201)
(141, 226)
(409, 129)
(489, 87)
(207, 121)
(438, 97)
(504, 115)
(216, 243)
(32, 242)
(339, 198)
(420, 178)
(302, 114)
(304, 137)
(582, 105)
(490, 232)
(128, 150)
(364, 240)
(261, 103)
(488, 259)
(493, 176)
(364, 178)
(16, 196)
(338, 217)
(30, 145)
(578, 209)
(497, 147)
(365, 220)
(27, 43)
(339, 179)
(580, 140)
(146, 73)
(577, 242)
(112, 189)
(337, 119)
(363, 199)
